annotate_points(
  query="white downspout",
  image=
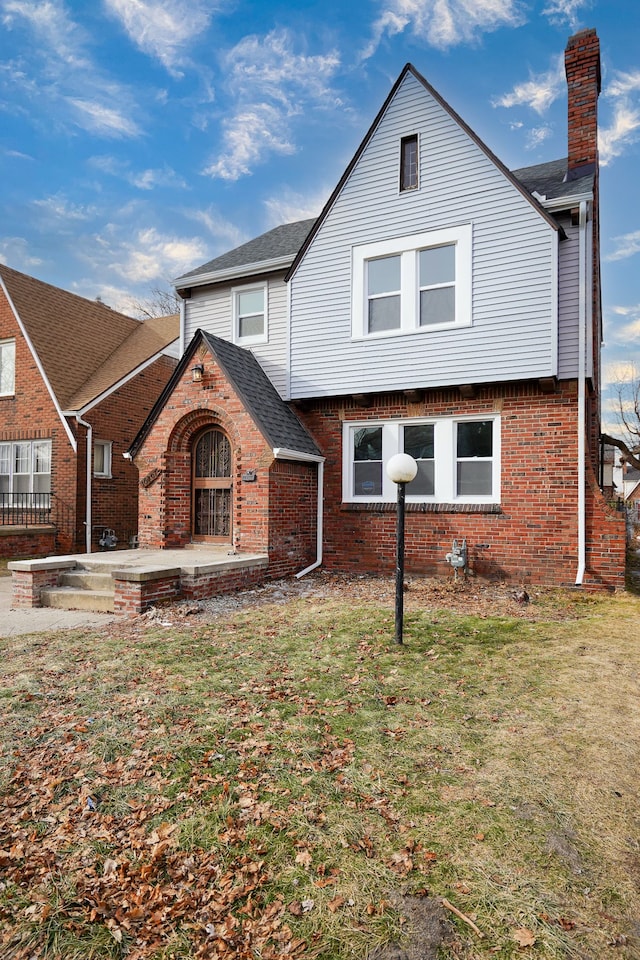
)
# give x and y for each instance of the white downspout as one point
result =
(87, 520)
(582, 364)
(280, 453)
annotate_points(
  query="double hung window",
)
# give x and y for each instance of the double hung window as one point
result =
(7, 367)
(25, 473)
(458, 459)
(250, 314)
(411, 284)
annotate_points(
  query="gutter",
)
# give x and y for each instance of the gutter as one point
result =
(87, 521)
(281, 453)
(582, 363)
(233, 273)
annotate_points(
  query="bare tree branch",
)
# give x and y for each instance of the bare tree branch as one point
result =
(629, 455)
(161, 302)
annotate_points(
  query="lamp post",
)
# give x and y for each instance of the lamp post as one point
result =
(402, 469)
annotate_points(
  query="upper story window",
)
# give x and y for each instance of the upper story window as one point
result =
(409, 163)
(250, 314)
(458, 459)
(407, 284)
(7, 367)
(102, 458)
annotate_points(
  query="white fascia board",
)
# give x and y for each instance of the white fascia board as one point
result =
(234, 273)
(120, 383)
(65, 424)
(553, 204)
(282, 453)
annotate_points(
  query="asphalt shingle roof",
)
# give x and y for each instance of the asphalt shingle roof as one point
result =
(548, 180)
(84, 346)
(282, 241)
(276, 421)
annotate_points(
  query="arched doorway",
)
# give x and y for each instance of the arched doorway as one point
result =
(211, 487)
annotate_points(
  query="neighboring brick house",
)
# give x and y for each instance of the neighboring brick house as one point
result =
(440, 305)
(71, 370)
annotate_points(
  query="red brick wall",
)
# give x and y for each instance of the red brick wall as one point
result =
(118, 418)
(31, 415)
(292, 516)
(531, 536)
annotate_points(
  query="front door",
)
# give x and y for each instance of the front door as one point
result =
(211, 487)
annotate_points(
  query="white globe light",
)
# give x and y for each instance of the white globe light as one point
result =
(401, 468)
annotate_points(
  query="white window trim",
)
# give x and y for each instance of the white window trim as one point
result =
(264, 336)
(408, 248)
(10, 341)
(445, 459)
(13, 494)
(107, 447)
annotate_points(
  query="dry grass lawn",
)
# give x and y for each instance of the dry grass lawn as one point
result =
(280, 780)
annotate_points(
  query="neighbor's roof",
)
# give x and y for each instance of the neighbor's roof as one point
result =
(84, 346)
(277, 247)
(275, 420)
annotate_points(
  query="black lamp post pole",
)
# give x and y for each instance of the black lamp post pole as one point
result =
(400, 562)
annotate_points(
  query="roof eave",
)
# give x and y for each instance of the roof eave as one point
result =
(234, 273)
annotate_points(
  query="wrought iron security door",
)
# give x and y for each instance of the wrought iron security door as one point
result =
(211, 487)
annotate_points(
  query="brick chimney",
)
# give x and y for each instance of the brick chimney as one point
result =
(582, 67)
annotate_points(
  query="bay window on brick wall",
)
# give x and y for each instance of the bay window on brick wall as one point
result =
(7, 367)
(458, 459)
(25, 473)
(412, 284)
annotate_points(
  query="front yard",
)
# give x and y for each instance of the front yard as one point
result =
(278, 779)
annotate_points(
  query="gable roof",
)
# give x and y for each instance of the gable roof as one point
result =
(410, 69)
(549, 181)
(275, 420)
(83, 346)
(272, 250)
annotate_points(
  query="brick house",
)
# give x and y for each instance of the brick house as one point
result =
(72, 373)
(441, 305)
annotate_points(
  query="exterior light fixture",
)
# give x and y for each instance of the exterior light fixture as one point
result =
(402, 469)
(197, 373)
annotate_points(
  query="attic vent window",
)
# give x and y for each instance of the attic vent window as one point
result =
(409, 163)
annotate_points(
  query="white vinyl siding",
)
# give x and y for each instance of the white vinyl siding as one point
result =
(513, 269)
(211, 309)
(458, 459)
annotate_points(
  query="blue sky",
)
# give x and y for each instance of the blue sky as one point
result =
(140, 138)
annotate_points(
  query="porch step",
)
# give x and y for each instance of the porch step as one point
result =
(70, 598)
(89, 587)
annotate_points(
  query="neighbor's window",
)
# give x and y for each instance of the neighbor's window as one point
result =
(250, 314)
(25, 473)
(458, 459)
(409, 162)
(411, 284)
(7, 367)
(102, 458)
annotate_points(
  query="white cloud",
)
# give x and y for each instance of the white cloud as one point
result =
(442, 23)
(623, 84)
(227, 234)
(538, 135)
(291, 206)
(271, 83)
(565, 11)
(622, 131)
(14, 251)
(249, 136)
(147, 256)
(17, 155)
(539, 92)
(627, 245)
(55, 69)
(619, 371)
(106, 121)
(59, 207)
(162, 28)
(623, 325)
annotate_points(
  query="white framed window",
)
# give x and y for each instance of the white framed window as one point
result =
(250, 314)
(412, 284)
(7, 368)
(409, 163)
(25, 473)
(458, 459)
(102, 458)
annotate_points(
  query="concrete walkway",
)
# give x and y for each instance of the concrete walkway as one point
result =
(13, 623)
